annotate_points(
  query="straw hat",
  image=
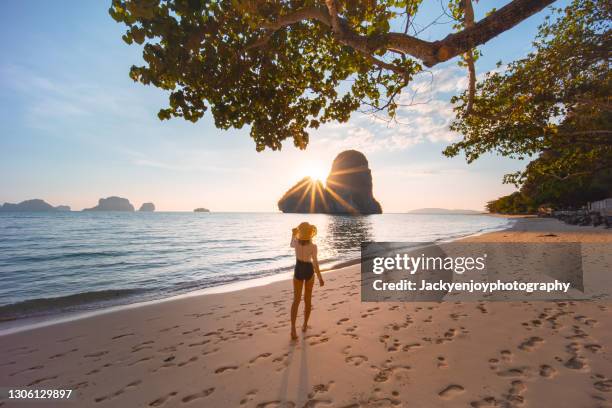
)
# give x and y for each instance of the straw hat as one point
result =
(305, 231)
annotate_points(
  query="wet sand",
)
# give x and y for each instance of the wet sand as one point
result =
(234, 350)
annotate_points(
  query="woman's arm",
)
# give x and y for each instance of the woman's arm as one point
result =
(293, 240)
(315, 263)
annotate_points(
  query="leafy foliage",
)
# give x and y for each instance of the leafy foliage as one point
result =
(285, 67)
(515, 203)
(203, 53)
(554, 103)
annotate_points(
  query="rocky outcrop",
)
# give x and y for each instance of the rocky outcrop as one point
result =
(147, 207)
(201, 209)
(348, 190)
(112, 204)
(35, 205)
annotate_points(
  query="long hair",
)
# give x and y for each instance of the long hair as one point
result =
(304, 241)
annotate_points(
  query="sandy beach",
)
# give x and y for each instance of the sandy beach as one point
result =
(234, 350)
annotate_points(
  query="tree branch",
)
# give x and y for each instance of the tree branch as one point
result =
(468, 22)
(489, 27)
(431, 53)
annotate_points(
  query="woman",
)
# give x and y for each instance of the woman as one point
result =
(306, 265)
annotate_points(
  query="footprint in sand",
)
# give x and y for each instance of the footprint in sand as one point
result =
(41, 380)
(225, 368)
(142, 360)
(162, 400)
(248, 397)
(317, 339)
(203, 394)
(442, 362)
(264, 355)
(199, 343)
(394, 346)
(412, 346)
(593, 348)
(118, 392)
(63, 354)
(576, 363)
(276, 404)
(451, 391)
(96, 354)
(383, 375)
(142, 346)
(531, 343)
(33, 368)
(515, 396)
(320, 389)
(344, 319)
(547, 371)
(356, 360)
(186, 362)
(315, 403)
(605, 385)
(120, 336)
(514, 372)
(191, 331)
(168, 329)
(506, 355)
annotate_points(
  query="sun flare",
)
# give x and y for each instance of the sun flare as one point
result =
(317, 172)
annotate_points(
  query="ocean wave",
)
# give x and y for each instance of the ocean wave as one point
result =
(45, 306)
(69, 255)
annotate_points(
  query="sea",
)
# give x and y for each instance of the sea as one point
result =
(58, 263)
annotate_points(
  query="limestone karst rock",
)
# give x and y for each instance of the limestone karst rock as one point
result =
(348, 190)
(112, 204)
(35, 205)
(147, 207)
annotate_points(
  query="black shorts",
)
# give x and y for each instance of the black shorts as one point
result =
(303, 270)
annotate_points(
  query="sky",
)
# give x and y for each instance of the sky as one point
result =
(74, 127)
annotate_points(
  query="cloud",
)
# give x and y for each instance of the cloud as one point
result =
(363, 134)
(58, 99)
(424, 116)
(105, 113)
(181, 161)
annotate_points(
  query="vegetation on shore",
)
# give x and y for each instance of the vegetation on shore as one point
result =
(554, 105)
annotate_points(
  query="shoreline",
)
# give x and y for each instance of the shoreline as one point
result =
(233, 349)
(30, 323)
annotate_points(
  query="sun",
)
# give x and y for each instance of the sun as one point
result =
(316, 172)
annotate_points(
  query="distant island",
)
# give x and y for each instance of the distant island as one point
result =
(147, 207)
(348, 190)
(112, 204)
(35, 205)
(444, 211)
(201, 209)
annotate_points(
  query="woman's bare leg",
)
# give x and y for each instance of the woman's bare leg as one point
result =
(297, 294)
(307, 301)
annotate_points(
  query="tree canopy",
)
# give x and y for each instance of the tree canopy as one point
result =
(284, 67)
(554, 104)
(515, 203)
